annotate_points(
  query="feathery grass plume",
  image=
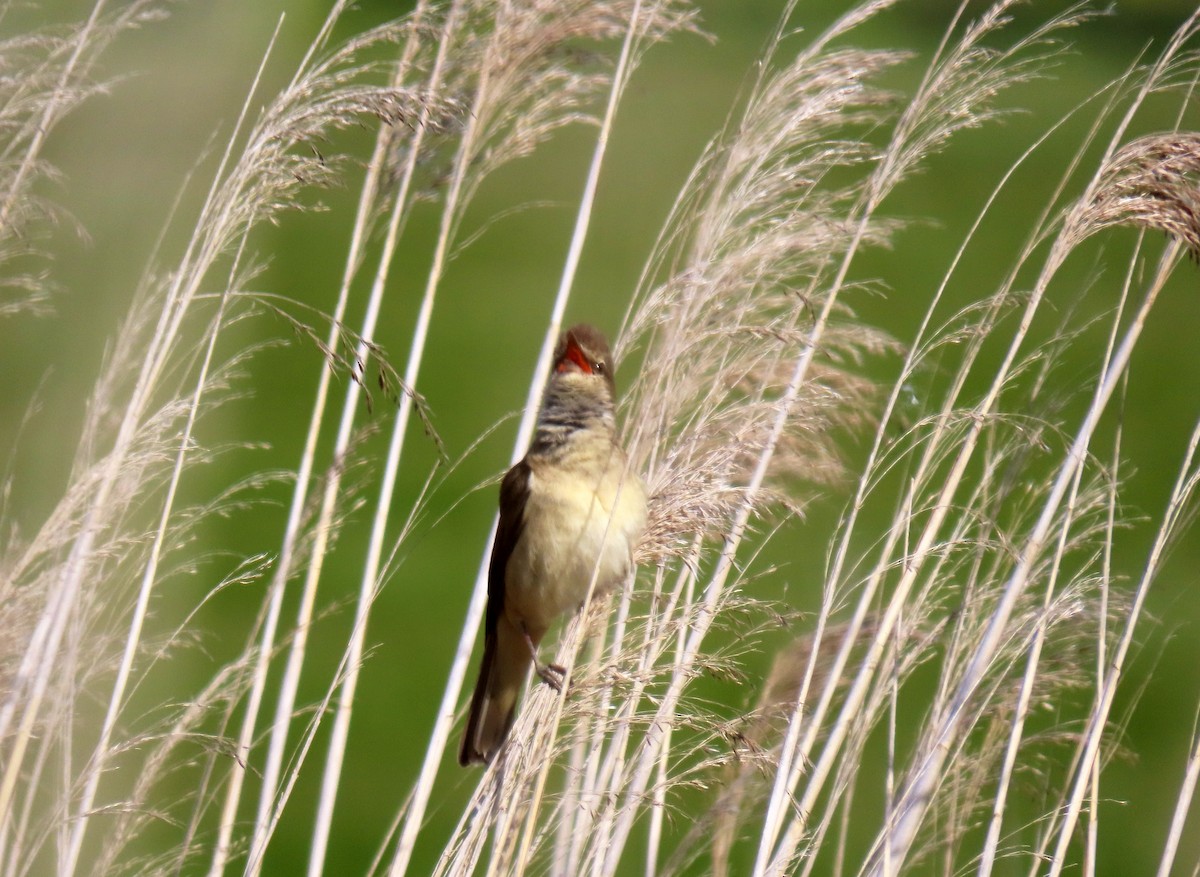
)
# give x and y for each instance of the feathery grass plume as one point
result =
(810, 251)
(44, 75)
(1153, 183)
(95, 565)
(1001, 534)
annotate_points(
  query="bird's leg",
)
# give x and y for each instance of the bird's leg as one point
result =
(552, 674)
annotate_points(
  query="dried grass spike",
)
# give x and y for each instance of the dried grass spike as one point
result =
(1152, 183)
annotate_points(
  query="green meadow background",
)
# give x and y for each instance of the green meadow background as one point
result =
(175, 88)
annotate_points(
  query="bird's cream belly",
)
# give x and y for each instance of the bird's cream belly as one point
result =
(571, 533)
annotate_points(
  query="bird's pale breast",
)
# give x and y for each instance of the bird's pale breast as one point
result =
(580, 520)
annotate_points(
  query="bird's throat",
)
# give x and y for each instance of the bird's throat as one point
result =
(565, 416)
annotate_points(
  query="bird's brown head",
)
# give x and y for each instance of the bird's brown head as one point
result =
(582, 357)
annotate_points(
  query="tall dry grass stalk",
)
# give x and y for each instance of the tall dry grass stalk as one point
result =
(968, 592)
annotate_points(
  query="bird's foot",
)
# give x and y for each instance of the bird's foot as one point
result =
(552, 674)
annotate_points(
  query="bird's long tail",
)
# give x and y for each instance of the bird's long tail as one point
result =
(506, 661)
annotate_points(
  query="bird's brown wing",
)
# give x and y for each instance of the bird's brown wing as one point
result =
(514, 491)
(505, 659)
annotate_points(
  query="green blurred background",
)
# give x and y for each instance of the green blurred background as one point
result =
(176, 87)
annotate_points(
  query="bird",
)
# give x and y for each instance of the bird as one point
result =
(571, 510)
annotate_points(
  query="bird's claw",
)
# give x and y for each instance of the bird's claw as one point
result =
(553, 675)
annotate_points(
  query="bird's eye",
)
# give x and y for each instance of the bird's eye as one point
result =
(600, 367)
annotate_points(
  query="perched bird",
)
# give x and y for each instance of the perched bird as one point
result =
(569, 511)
